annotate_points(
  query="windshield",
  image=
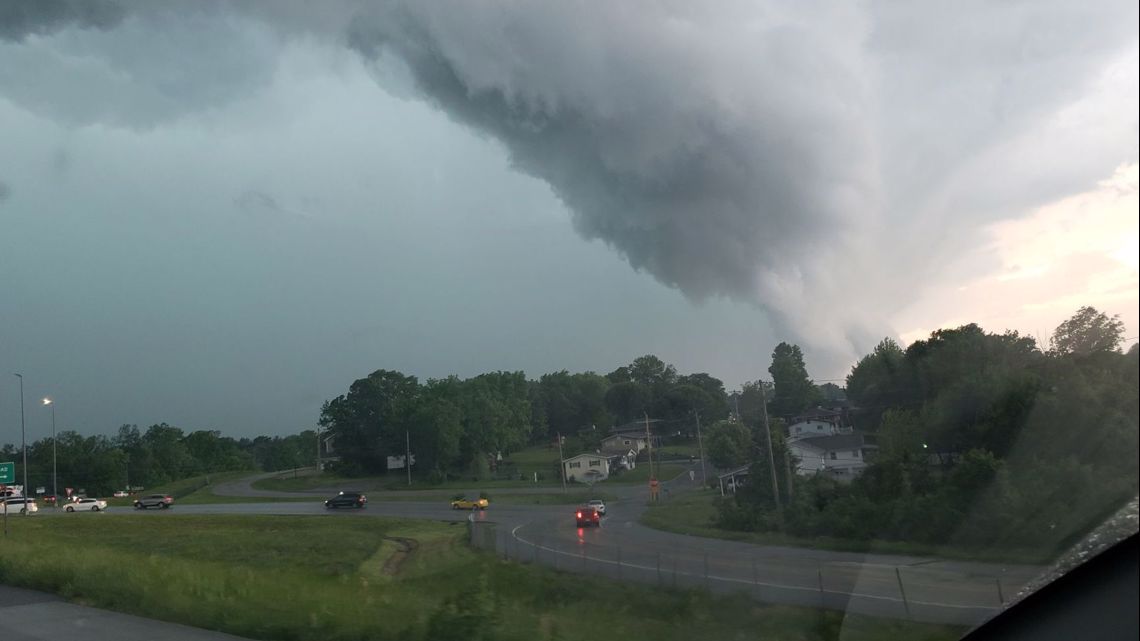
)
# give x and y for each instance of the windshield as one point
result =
(702, 318)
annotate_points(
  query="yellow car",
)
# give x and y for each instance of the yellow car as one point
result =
(469, 504)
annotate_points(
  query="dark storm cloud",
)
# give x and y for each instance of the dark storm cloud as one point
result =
(795, 156)
(21, 18)
(775, 153)
(704, 189)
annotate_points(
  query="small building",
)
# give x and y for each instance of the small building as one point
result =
(634, 441)
(733, 479)
(587, 468)
(817, 422)
(620, 458)
(842, 456)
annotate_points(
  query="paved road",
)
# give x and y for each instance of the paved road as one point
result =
(884, 585)
(27, 615)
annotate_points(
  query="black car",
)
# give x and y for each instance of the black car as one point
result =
(347, 499)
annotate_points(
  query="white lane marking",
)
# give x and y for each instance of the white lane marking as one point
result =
(514, 533)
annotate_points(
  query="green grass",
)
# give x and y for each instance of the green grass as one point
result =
(324, 578)
(640, 474)
(187, 490)
(386, 483)
(677, 451)
(692, 513)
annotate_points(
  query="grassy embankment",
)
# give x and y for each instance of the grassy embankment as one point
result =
(331, 579)
(692, 513)
(197, 490)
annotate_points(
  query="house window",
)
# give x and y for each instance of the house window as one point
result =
(627, 441)
(855, 454)
(833, 455)
(818, 427)
(576, 464)
(595, 462)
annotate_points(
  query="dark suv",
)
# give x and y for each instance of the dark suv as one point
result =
(161, 501)
(586, 516)
(347, 499)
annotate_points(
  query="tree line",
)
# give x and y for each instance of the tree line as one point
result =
(100, 465)
(984, 440)
(457, 426)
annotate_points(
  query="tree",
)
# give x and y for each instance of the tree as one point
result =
(627, 401)
(876, 382)
(716, 405)
(795, 392)
(728, 444)
(652, 372)
(370, 421)
(750, 402)
(437, 426)
(1088, 332)
(496, 414)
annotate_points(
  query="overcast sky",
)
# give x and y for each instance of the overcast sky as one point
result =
(218, 215)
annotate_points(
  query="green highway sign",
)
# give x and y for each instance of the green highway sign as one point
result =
(7, 472)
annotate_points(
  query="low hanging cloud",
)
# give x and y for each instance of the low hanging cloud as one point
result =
(804, 160)
(818, 162)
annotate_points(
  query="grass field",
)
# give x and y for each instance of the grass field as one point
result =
(640, 474)
(392, 482)
(335, 579)
(692, 513)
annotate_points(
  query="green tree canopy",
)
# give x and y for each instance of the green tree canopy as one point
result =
(794, 390)
(1088, 332)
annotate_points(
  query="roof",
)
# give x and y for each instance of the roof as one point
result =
(585, 455)
(737, 472)
(834, 442)
(818, 412)
(616, 451)
(640, 435)
(634, 426)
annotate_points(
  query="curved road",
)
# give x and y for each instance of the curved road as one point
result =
(898, 586)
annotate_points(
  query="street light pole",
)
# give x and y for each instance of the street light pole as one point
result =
(23, 443)
(54, 476)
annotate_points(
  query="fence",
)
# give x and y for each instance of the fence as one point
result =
(905, 592)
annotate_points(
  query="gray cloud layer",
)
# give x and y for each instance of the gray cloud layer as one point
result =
(800, 157)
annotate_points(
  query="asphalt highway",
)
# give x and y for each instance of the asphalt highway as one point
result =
(896, 586)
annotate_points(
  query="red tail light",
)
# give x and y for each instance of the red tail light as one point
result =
(579, 515)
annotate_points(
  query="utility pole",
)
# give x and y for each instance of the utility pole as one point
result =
(771, 458)
(318, 463)
(408, 454)
(649, 445)
(23, 444)
(791, 473)
(561, 463)
(701, 449)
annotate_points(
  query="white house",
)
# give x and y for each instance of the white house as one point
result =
(842, 456)
(621, 458)
(587, 468)
(636, 442)
(817, 422)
